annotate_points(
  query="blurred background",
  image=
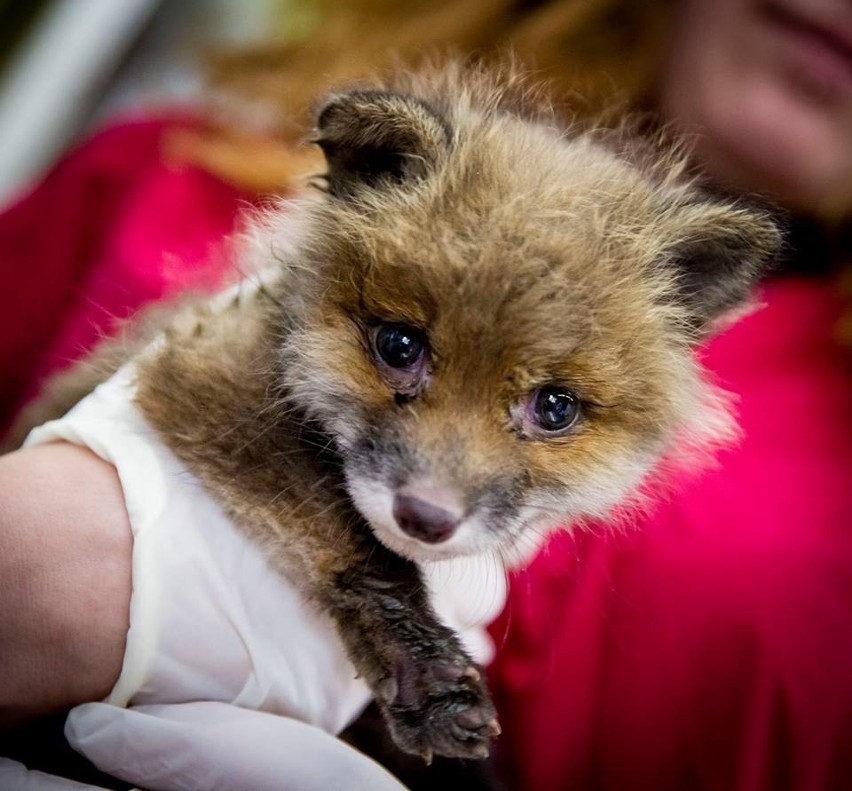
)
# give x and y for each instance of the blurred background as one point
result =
(66, 65)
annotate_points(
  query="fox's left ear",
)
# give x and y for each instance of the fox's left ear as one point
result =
(718, 252)
(373, 137)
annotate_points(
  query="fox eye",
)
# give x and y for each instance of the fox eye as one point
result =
(550, 411)
(401, 353)
(554, 408)
(399, 345)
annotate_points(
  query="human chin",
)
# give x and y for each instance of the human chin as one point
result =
(770, 139)
(755, 126)
(807, 104)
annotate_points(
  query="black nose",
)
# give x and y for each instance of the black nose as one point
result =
(423, 520)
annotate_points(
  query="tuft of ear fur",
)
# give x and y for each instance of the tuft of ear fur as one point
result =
(719, 251)
(374, 136)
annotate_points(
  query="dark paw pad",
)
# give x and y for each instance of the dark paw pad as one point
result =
(438, 705)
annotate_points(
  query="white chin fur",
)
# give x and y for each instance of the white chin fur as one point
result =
(375, 502)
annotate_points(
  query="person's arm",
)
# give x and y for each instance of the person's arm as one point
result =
(65, 548)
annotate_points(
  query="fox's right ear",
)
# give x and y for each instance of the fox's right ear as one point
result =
(717, 251)
(370, 137)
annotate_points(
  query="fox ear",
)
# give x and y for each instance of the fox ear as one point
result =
(718, 252)
(371, 137)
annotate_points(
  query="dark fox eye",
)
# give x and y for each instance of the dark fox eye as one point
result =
(554, 408)
(399, 345)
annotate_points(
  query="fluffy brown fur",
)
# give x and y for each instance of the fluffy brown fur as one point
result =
(524, 262)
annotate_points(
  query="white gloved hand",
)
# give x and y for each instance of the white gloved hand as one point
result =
(218, 747)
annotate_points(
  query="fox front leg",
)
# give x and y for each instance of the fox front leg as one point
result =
(430, 692)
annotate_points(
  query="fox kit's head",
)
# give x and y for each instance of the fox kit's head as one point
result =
(494, 318)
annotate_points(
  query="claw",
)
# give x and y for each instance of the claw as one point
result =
(495, 728)
(472, 673)
(388, 690)
(427, 756)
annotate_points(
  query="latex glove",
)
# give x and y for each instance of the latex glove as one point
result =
(218, 747)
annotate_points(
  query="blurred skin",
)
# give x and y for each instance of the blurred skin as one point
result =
(64, 580)
(764, 87)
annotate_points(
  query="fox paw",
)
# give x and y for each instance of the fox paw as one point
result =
(438, 706)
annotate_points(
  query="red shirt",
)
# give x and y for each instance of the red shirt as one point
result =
(111, 228)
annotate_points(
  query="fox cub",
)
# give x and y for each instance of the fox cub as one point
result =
(482, 328)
